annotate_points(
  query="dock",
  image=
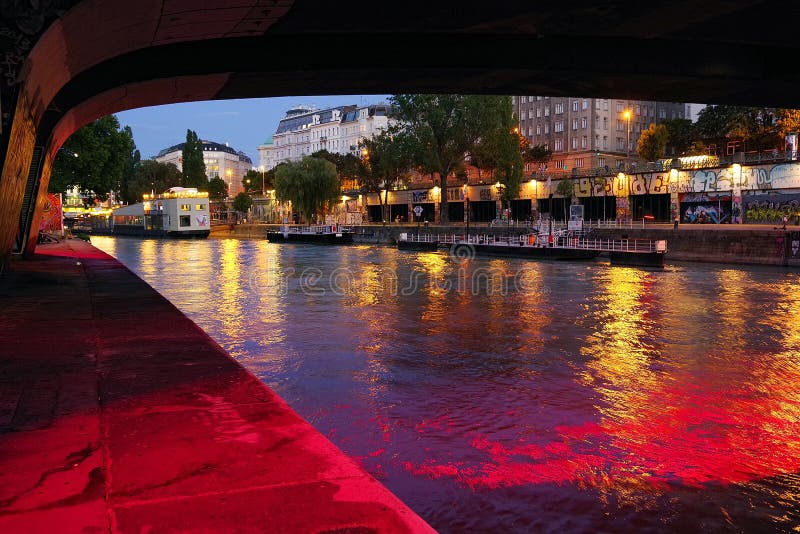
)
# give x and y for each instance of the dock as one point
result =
(119, 414)
(559, 246)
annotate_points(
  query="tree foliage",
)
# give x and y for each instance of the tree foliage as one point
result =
(566, 188)
(310, 184)
(788, 121)
(386, 163)
(94, 159)
(680, 136)
(151, 176)
(194, 168)
(755, 127)
(439, 130)
(217, 189)
(242, 202)
(653, 142)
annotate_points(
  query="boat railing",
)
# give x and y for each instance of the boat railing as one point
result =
(614, 245)
(316, 229)
(419, 238)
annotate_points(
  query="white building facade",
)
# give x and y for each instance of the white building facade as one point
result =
(221, 161)
(305, 130)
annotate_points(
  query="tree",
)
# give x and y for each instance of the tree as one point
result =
(566, 188)
(788, 121)
(652, 142)
(310, 184)
(194, 168)
(217, 189)
(680, 136)
(537, 154)
(439, 130)
(755, 127)
(242, 202)
(386, 162)
(94, 159)
(151, 176)
(251, 181)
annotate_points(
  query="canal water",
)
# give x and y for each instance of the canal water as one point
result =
(518, 396)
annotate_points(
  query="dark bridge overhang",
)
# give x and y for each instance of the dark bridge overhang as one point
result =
(103, 57)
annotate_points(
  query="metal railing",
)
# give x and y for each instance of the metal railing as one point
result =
(315, 229)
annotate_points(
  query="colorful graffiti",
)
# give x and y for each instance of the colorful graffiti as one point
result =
(771, 207)
(699, 208)
(52, 216)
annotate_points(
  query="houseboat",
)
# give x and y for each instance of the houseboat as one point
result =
(323, 234)
(178, 212)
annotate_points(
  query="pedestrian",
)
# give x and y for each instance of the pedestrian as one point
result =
(785, 220)
(675, 225)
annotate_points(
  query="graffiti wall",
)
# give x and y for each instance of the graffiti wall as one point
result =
(52, 215)
(770, 207)
(712, 208)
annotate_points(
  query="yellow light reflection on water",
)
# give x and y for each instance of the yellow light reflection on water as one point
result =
(619, 368)
(229, 304)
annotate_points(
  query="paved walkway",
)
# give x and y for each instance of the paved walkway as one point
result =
(118, 414)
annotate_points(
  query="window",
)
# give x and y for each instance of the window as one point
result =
(638, 109)
(601, 162)
(186, 207)
(620, 126)
(546, 128)
(605, 141)
(530, 113)
(186, 220)
(538, 112)
(538, 129)
(547, 111)
(559, 164)
(583, 123)
(585, 104)
(574, 124)
(596, 104)
(619, 107)
(605, 123)
(579, 162)
(558, 126)
(662, 113)
(522, 99)
(620, 144)
(605, 104)
(530, 131)
(200, 207)
(583, 142)
(558, 108)
(558, 145)
(574, 105)
(574, 142)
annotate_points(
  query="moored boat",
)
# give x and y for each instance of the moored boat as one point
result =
(322, 234)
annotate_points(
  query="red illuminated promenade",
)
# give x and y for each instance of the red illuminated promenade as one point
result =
(117, 413)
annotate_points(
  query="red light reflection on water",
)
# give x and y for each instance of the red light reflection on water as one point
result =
(721, 437)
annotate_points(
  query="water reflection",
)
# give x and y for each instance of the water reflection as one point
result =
(504, 395)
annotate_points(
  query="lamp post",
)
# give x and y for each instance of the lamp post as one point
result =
(627, 115)
(261, 168)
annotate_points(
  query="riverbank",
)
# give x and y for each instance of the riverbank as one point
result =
(734, 244)
(119, 414)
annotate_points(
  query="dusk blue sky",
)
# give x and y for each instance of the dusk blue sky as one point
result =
(243, 124)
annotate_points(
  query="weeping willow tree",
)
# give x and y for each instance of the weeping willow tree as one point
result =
(310, 184)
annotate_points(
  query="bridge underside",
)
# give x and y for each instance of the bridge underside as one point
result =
(99, 58)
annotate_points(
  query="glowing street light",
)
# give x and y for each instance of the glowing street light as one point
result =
(627, 115)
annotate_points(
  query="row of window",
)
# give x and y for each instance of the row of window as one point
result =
(197, 207)
(558, 143)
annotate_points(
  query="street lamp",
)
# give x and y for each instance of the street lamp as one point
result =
(627, 115)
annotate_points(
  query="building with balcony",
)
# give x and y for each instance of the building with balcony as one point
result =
(221, 161)
(305, 130)
(586, 133)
